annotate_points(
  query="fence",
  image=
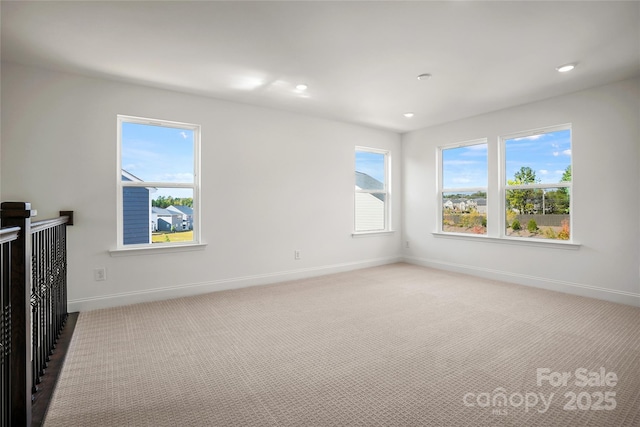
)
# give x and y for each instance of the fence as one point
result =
(549, 220)
(34, 303)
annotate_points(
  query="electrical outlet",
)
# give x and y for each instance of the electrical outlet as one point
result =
(296, 254)
(100, 274)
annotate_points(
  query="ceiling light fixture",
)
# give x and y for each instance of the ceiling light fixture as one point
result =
(425, 76)
(408, 115)
(565, 68)
(301, 86)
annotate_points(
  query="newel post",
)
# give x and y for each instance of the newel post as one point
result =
(19, 214)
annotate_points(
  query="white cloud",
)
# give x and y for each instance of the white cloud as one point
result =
(530, 138)
(567, 152)
(543, 172)
(556, 153)
(184, 135)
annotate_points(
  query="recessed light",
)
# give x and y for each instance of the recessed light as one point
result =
(425, 76)
(301, 86)
(408, 115)
(565, 68)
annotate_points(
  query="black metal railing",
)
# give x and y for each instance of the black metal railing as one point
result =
(7, 237)
(34, 281)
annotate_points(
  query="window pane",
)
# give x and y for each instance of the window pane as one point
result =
(464, 212)
(157, 215)
(370, 170)
(370, 211)
(172, 215)
(464, 166)
(544, 158)
(539, 213)
(157, 153)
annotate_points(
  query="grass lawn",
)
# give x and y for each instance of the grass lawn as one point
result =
(180, 236)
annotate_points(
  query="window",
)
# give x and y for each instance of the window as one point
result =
(371, 190)
(158, 182)
(463, 188)
(537, 184)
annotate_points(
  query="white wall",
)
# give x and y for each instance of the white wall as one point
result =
(606, 164)
(272, 182)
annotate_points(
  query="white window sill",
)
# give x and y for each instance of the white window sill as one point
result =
(157, 249)
(372, 233)
(522, 241)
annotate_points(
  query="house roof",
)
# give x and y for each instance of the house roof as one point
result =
(182, 209)
(367, 182)
(162, 211)
(128, 176)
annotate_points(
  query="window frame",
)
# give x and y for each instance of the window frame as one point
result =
(195, 186)
(503, 186)
(386, 191)
(442, 190)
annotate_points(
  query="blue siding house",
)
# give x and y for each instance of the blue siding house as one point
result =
(136, 212)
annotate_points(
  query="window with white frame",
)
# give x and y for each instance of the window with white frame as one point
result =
(158, 182)
(463, 187)
(537, 181)
(372, 196)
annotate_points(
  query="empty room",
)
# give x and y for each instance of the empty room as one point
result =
(319, 213)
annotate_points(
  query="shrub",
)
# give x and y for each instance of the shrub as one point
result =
(549, 233)
(484, 221)
(478, 229)
(470, 219)
(515, 225)
(564, 234)
(532, 226)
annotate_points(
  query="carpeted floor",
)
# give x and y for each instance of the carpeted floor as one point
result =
(397, 345)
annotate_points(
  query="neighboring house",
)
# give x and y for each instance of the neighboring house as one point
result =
(370, 209)
(481, 205)
(186, 216)
(136, 212)
(165, 220)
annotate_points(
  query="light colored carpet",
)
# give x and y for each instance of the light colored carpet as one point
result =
(397, 345)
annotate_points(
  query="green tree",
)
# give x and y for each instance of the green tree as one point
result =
(522, 200)
(566, 176)
(562, 195)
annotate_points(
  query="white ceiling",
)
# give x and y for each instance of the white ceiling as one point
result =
(360, 59)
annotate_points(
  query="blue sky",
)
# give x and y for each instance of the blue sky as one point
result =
(547, 154)
(157, 153)
(465, 166)
(370, 163)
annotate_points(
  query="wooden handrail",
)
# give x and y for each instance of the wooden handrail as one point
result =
(35, 323)
(48, 223)
(9, 234)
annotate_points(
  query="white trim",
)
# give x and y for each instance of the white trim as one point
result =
(440, 190)
(612, 295)
(194, 186)
(189, 289)
(386, 190)
(522, 241)
(131, 250)
(372, 233)
(503, 187)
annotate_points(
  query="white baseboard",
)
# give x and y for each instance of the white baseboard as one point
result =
(189, 289)
(612, 295)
